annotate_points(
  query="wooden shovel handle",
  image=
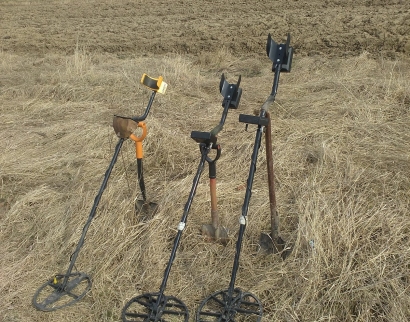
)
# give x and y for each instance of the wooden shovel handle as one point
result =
(271, 181)
(214, 207)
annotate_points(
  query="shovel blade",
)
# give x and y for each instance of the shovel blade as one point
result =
(145, 209)
(218, 234)
(270, 246)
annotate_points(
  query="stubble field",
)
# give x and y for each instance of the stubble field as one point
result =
(341, 140)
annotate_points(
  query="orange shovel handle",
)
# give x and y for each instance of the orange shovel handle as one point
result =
(138, 140)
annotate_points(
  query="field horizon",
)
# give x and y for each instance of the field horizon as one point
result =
(341, 149)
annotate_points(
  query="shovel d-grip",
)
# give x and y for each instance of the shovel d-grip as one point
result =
(66, 289)
(233, 304)
(158, 306)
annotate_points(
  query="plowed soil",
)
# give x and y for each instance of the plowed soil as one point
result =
(341, 142)
(336, 28)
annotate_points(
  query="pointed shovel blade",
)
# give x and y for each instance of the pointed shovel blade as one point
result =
(270, 246)
(145, 209)
(219, 234)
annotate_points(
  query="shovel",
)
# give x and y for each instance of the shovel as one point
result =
(146, 209)
(272, 243)
(214, 230)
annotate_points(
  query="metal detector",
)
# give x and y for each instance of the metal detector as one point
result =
(158, 306)
(66, 289)
(233, 304)
(146, 209)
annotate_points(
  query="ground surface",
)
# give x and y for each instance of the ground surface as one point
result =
(336, 28)
(341, 133)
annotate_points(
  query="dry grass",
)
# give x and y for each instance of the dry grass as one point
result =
(341, 148)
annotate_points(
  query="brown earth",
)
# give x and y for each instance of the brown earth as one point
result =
(341, 140)
(132, 28)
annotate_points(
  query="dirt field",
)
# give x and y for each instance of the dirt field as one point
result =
(134, 28)
(341, 140)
